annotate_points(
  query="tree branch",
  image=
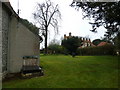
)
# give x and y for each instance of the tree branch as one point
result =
(52, 14)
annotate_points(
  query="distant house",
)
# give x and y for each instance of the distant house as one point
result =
(16, 40)
(103, 44)
(86, 42)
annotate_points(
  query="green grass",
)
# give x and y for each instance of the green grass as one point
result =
(67, 72)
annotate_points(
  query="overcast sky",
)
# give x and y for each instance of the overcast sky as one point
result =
(71, 19)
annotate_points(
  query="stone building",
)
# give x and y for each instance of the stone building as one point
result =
(16, 40)
(86, 42)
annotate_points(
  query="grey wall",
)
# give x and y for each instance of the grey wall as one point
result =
(22, 42)
(16, 41)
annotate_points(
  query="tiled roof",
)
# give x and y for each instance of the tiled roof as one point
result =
(103, 43)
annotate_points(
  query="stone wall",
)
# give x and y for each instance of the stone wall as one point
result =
(5, 29)
(0, 45)
(0, 36)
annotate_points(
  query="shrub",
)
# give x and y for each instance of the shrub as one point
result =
(54, 49)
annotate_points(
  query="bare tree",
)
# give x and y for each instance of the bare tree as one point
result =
(47, 14)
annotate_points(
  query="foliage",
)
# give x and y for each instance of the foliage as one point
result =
(71, 44)
(64, 51)
(101, 50)
(105, 14)
(54, 41)
(30, 26)
(47, 15)
(66, 72)
(116, 41)
(55, 49)
(96, 41)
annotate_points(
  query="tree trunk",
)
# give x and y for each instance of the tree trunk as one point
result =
(46, 35)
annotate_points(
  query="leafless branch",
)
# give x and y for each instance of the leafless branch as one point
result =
(47, 14)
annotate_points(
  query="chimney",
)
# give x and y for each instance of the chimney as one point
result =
(89, 39)
(70, 34)
(64, 36)
(83, 39)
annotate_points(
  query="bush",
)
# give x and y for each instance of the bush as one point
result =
(54, 49)
(101, 50)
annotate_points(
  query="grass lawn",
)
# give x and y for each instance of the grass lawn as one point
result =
(67, 72)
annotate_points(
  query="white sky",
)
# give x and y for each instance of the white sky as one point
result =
(71, 19)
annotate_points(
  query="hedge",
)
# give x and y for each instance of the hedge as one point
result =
(98, 50)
